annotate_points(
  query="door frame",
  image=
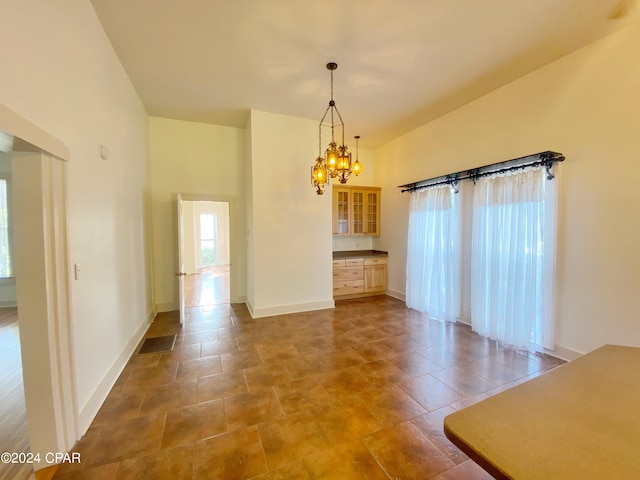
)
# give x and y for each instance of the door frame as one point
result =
(233, 250)
(180, 267)
(39, 177)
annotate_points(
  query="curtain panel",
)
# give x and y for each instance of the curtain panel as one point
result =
(510, 252)
(433, 253)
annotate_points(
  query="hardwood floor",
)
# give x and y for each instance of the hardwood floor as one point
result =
(359, 391)
(210, 286)
(13, 417)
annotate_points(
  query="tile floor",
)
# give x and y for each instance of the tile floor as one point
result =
(355, 392)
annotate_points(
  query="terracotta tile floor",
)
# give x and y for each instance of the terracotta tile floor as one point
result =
(355, 392)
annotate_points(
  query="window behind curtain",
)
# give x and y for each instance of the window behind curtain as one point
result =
(509, 259)
(433, 253)
(6, 263)
(505, 256)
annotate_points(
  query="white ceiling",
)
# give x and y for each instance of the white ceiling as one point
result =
(401, 62)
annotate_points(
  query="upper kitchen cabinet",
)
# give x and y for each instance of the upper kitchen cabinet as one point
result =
(356, 210)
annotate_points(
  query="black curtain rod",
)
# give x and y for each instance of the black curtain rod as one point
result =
(544, 159)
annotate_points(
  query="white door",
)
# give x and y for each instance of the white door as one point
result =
(181, 273)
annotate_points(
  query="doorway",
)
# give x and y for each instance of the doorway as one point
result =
(42, 294)
(206, 253)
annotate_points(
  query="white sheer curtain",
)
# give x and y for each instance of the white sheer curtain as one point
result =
(512, 258)
(433, 253)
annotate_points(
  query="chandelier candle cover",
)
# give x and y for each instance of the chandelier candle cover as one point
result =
(336, 162)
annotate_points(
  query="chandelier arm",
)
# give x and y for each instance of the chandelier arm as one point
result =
(341, 123)
(320, 131)
(332, 121)
(325, 115)
(339, 116)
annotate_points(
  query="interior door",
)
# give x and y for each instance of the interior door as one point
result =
(181, 271)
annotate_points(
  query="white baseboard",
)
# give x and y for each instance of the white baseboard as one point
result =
(563, 353)
(292, 308)
(173, 306)
(464, 321)
(90, 409)
(8, 303)
(166, 307)
(239, 299)
(249, 307)
(395, 294)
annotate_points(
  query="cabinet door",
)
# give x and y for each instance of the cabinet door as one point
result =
(358, 212)
(373, 212)
(375, 278)
(341, 211)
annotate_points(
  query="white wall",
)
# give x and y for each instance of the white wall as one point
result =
(201, 160)
(587, 106)
(60, 72)
(290, 231)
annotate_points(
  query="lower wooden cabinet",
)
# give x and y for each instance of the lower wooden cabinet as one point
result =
(355, 277)
(348, 276)
(375, 275)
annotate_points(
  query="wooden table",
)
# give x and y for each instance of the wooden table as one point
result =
(580, 421)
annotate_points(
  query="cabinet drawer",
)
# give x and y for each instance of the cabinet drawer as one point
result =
(376, 261)
(339, 263)
(355, 262)
(348, 287)
(348, 273)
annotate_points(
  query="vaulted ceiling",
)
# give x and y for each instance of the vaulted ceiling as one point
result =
(401, 63)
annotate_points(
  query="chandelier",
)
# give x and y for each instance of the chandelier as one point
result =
(336, 162)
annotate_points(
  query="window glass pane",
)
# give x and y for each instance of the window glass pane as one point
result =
(6, 267)
(208, 234)
(207, 226)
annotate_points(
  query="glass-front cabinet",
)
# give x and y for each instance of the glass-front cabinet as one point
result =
(341, 212)
(357, 206)
(356, 210)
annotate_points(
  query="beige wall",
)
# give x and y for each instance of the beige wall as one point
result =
(289, 234)
(201, 162)
(587, 106)
(59, 71)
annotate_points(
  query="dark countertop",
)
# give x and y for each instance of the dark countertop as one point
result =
(359, 254)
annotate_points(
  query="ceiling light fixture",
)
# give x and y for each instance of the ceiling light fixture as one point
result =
(336, 162)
